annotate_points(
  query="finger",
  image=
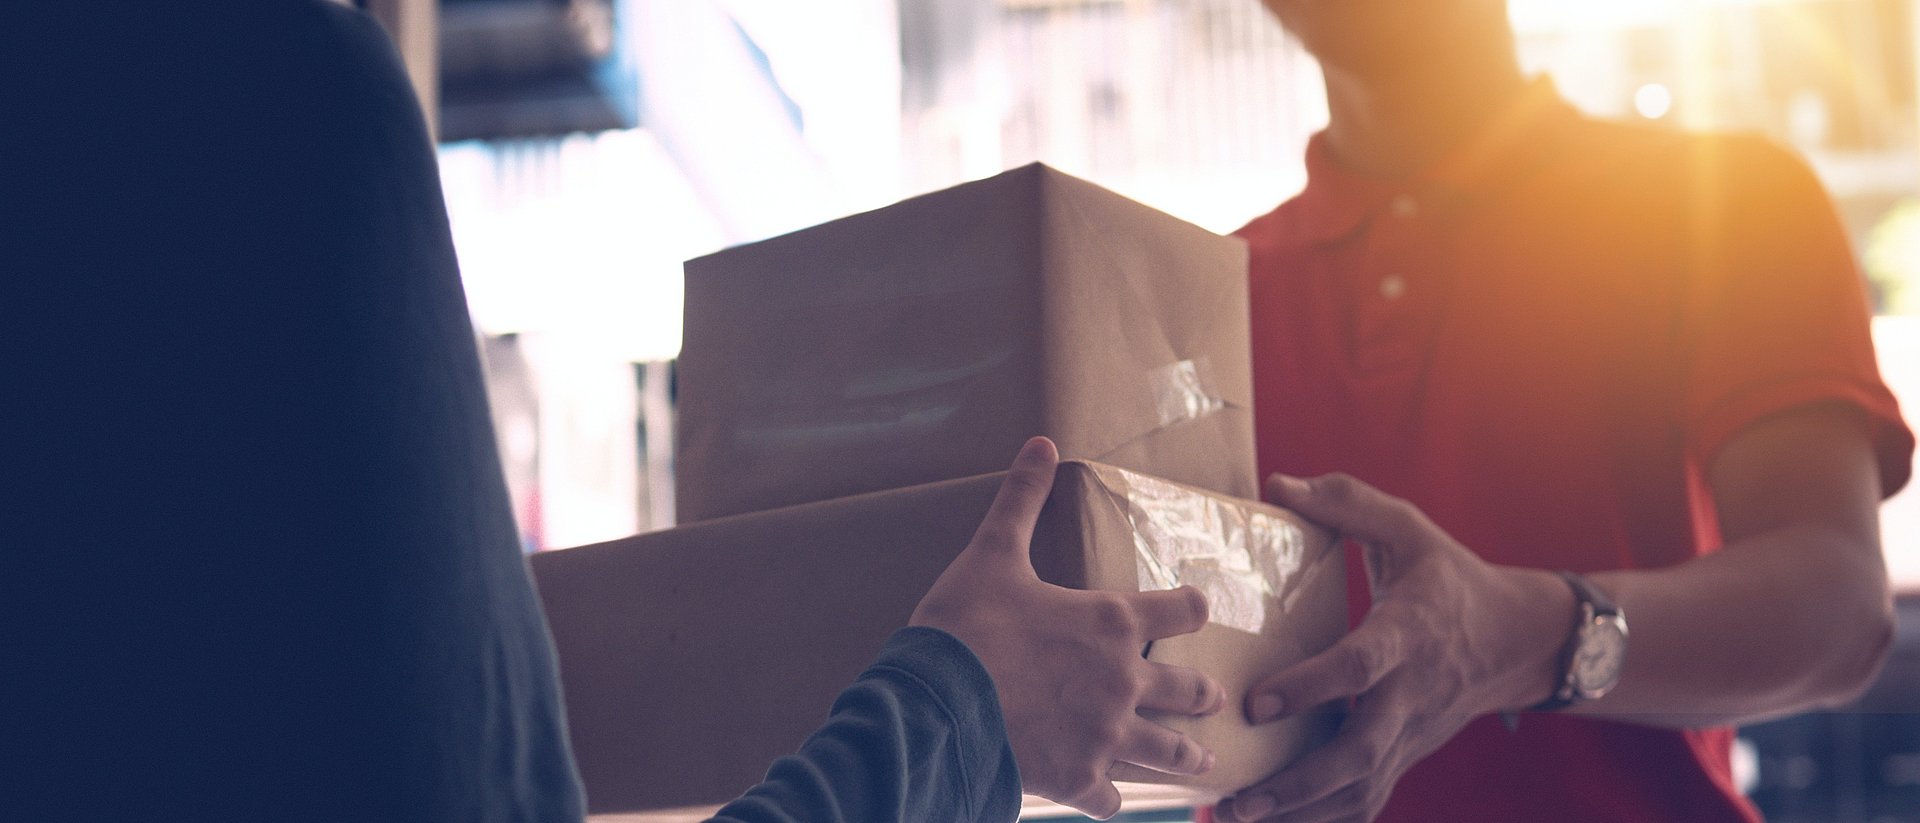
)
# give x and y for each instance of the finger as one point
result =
(1348, 805)
(1099, 802)
(1149, 744)
(1181, 690)
(1009, 522)
(1169, 612)
(1335, 808)
(1349, 506)
(1248, 806)
(1327, 774)
(1347, 668)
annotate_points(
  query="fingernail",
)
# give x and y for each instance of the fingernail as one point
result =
(1035, 447)
(1265, 707)
(1206, 761)
(1252, 806)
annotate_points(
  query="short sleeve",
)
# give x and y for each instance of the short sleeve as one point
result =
(1775, 315)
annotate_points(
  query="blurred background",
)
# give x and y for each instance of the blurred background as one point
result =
(590, 146)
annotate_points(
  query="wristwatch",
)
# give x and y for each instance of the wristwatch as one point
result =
(1596, 652)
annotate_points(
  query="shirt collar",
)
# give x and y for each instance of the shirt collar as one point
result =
(1337, 199)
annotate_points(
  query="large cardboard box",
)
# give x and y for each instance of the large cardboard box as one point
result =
(692, 658)
(929, 339)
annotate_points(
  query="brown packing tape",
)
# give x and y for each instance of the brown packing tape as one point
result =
(692, 658)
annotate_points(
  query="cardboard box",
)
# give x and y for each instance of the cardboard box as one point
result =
(929, 339)
(692, 658)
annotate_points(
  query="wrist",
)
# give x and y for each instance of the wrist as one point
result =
(1540, 618)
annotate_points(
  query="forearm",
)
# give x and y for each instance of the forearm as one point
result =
(1793, 612)
(918, 737)
(1794, 619)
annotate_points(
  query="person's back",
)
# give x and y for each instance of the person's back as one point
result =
(264, 565)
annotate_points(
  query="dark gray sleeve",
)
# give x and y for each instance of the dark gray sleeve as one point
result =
(919, 737)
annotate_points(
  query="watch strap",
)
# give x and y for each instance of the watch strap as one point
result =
(1590, 602)
(1590, 594)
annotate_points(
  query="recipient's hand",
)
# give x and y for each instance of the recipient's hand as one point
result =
(1067, 663)
(1449, 637)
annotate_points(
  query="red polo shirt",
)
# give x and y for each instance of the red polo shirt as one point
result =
(1541, 342)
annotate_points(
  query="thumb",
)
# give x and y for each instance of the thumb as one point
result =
(1346, 669)
(1352, 508)
(1008, 527)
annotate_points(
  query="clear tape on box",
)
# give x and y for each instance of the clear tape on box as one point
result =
(1242, 560)
(1184, 390)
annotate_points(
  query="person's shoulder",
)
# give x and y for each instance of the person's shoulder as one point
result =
(1708, 162)
(1750, 165)
(1733, 184)
(330, 33)
(232, 24)
(310, 17)
(326, 70)
(277, 42)
(351, 27)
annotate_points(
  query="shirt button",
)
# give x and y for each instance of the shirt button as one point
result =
(1404, 206)
(1392, 286)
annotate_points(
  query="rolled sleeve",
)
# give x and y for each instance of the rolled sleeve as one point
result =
(1777, 316)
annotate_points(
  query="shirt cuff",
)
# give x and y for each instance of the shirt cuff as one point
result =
(1891, 440)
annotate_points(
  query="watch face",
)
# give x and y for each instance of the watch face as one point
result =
(1602, 652)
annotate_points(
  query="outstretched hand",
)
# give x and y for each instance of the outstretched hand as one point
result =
(1450, 637)
(1067, 664)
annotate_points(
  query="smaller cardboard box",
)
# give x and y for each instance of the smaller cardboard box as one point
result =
(926, 340)
(692, 658)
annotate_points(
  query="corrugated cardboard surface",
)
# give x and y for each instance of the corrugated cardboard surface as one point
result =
(694, 657)
(929, 339)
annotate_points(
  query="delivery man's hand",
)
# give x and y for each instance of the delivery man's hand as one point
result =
(1067, 663)
(1450, 637)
